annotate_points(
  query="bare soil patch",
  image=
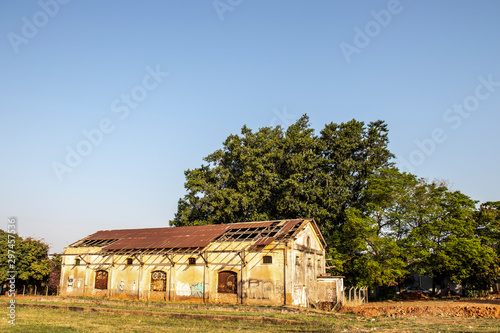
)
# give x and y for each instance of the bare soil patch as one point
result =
(470, 308)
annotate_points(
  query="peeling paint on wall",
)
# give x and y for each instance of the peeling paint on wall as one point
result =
(299, 296)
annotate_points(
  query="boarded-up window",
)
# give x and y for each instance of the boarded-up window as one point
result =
(267, 260)
(158, 281)
(227, 283)
(101, 280)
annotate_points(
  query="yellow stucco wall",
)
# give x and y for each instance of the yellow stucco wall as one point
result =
(291, 277)
(307, 260)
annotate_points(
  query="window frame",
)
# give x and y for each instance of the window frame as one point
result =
(163, 279)
(297, 261)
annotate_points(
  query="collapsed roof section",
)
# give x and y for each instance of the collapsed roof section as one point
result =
(194, 239)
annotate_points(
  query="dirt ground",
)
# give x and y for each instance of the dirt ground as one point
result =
(467, 308)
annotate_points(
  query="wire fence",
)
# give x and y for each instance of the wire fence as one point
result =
(356, 296)
(37, 291)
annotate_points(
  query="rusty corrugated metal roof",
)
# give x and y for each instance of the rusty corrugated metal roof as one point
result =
(245, 225)
(265, 241)
(161, 238)
(185, 237)
(288, 225)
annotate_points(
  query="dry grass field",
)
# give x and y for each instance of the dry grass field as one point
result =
(83, 315)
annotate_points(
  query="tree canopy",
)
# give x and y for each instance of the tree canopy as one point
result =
(30, 260)
(277, 173)
(411, 225)
(380, 224)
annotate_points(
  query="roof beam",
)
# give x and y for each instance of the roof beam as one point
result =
(170, 259)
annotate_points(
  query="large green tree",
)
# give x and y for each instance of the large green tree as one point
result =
(368, 247)
(277, 173)
(31, 260)
(488, 224)
(380, 223)
(364, 255)
(412, 225)
(443, 227)
(488, 231)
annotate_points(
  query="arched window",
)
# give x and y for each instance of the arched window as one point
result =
(308, 243)
(227, 283)
(158, 281)
(101, 280)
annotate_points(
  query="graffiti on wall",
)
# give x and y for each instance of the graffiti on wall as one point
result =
(121, 286)
(261, 289)
(197, 289)
(182, 289)
(71, 281)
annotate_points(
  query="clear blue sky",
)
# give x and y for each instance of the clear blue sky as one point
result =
(86, 65)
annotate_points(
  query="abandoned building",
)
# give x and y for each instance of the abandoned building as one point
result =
(268, 263)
